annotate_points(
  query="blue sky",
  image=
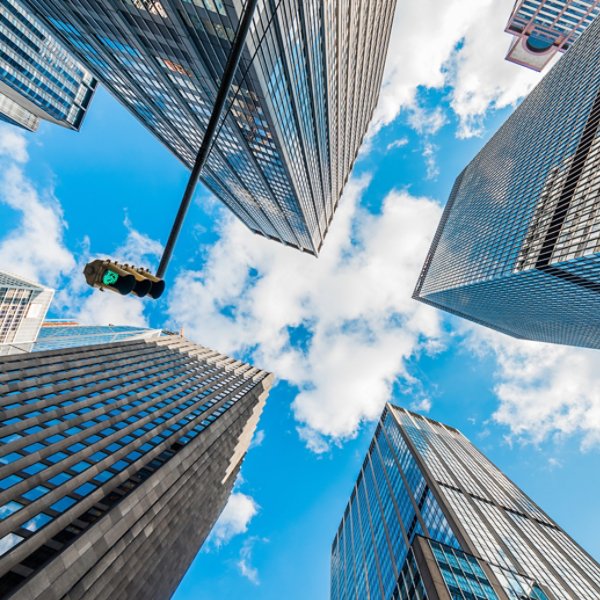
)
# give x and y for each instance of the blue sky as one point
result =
(341, 333)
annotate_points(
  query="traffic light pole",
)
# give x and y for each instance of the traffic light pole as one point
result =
(224, 87)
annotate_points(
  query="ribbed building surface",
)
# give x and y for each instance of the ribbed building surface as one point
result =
(303, 97)
(544, 27)
(39, 79)
(23, 307)
(430, 517)
(518, 245)
(117, 459)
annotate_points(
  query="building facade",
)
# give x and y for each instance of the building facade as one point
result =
(301, 102)
(39, 79)
(518, 245)
(23, 307)
(541, 28)
(117, 459)
(430, 517)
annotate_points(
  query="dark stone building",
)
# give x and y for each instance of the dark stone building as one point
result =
(116, 460)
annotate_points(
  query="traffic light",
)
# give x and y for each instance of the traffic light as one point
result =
(123, 279)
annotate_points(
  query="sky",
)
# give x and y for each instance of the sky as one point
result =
(341, 332)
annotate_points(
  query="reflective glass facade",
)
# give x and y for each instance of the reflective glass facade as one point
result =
(431, 517)
(55, 336)
(23, 307)
(518, 246)
(301, 102)
(544, 27)
(115, 461)
(39, 79)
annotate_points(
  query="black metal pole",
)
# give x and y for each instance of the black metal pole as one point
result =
(230, 68)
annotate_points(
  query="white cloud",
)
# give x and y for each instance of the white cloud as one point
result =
(427, 122)
(13, 144)
(399, 143)
(352, 308)
(481, 77)
(459, 44)
(544, 390)
(258, 438)
(138, 249)
(428, 153)
(422, 406)
(35, 249)
(245, 561)
(235, 518)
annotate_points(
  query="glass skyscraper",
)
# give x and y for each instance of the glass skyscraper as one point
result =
(39, 79)
(23, 307)
(301, 102)
(430, 517)
(544, 27)
(518, 245)
(116, 459)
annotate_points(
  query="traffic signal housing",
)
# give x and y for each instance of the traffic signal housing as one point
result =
(123, 279)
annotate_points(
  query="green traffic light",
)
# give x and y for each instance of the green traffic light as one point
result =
(109, 277)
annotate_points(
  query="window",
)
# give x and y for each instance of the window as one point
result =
(60, 478)
(63, 504)
(9, 541)
(37, 522)
(9, 481)
(35, 493)
(34, 468)
(9, 508)
(85, 489)
(81, 466)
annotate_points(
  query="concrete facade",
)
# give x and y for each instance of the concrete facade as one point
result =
(145, 448)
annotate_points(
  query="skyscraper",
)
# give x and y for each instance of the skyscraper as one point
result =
(117, 459)
(23, 307)
(39, 79)
(301, 102)
(518, 246)
(544, 27)
(430, 517)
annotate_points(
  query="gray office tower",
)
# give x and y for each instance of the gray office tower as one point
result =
(39, 79)
(117, 459)
(518, 245)
(301, 103)
(430, 517)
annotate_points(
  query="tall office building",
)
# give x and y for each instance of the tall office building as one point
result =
(39, 79)
(117, 457)
(541, 28)
(430, 517)
(301, 102)
(23, 307)
(518, 245)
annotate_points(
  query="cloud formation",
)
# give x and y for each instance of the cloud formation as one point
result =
(456, 44)
(235, 518)
(35, 249)
(244, 563)
(544, 390)
(339, 328)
